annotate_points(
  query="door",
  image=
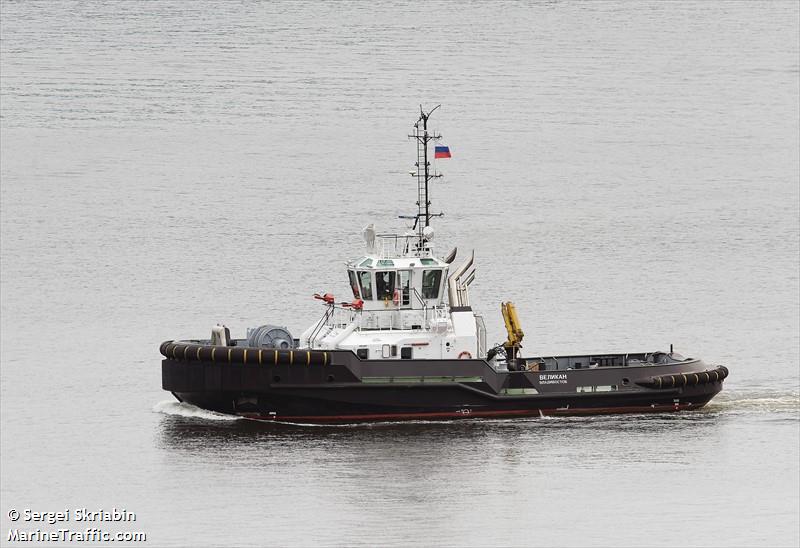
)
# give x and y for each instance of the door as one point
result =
(404, 288)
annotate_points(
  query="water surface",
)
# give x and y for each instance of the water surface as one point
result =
(627, 174)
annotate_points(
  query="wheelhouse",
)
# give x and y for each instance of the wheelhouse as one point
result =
(404, 282)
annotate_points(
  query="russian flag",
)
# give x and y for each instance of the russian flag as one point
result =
(441, 151)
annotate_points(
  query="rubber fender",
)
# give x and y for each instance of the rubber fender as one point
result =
(242, 355)
(685, 379)
(163, 347)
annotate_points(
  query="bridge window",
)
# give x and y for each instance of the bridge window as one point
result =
(431, 280)
(354, 284)
(384, 285)
(366, 285)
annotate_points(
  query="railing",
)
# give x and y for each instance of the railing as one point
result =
(339, 317)
(398, 245)
(322, 323)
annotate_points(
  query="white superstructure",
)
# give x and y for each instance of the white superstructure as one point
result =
(406, 305)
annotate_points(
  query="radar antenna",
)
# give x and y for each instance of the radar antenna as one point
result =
(423, 174)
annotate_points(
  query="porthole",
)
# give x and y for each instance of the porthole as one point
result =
(331, 378)
(276, 378)
(625, 381)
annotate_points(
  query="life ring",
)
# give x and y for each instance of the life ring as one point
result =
(465, 356)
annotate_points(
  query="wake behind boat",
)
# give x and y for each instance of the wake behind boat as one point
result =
(409, 346)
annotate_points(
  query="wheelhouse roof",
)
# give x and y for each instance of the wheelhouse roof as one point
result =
(374, 262)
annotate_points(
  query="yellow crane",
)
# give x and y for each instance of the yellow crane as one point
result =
(515, 334)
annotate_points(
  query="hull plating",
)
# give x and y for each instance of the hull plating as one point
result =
(346, 389)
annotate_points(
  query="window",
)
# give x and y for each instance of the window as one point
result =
(366, 262)
(406, 353)
(384, 285)
(404, 284)
(354, 284)
(366, 285)
(430, 283)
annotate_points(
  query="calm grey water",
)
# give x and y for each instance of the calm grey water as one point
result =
(627, 173)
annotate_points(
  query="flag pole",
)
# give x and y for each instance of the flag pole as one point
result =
(423, 171)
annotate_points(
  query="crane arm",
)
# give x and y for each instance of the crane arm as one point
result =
(515, 333)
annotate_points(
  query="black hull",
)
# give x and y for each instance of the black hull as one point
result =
(338, 387)
(317, 410)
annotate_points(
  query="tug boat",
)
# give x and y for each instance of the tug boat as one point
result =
(409, 346)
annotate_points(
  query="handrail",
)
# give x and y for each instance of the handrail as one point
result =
(419, 297)
(324, 321)
(338, 316)
(402, 244)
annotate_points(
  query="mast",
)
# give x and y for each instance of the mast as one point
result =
(424, 175)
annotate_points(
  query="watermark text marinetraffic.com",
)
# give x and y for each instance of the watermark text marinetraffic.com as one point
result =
(71, 525)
